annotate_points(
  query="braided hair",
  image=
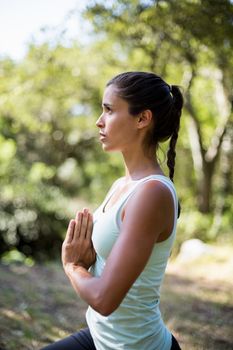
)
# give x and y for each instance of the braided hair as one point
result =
(176, 111)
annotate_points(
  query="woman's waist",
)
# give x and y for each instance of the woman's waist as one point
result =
(141, 313)
(126, 324)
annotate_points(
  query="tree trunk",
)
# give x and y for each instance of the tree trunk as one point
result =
(204, 160)
(225, 186)
(205, 187)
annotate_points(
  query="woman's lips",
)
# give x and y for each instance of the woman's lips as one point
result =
(102, 136)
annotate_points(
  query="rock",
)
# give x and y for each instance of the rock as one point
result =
(193, 249)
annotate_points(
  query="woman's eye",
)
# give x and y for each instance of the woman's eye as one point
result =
(107, 109)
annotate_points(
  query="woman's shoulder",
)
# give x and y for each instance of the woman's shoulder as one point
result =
(150, 209)
(157, 185)
(153, 189)
(153, 193)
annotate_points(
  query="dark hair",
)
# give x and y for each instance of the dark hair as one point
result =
(144, 90)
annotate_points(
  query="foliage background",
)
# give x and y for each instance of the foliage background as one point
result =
(51, 163)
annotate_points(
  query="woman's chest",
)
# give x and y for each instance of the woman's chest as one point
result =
(105, 232)
(116, 196)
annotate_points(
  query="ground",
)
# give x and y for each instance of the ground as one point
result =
(38, 305)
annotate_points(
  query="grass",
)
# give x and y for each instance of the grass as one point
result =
(38, 305)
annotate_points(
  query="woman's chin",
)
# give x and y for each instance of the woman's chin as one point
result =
(108, 148)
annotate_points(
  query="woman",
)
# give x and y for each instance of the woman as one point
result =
(117, 265)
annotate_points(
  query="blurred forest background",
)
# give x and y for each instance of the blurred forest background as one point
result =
(51, 162)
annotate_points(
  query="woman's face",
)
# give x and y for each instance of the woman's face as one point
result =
(118, 129)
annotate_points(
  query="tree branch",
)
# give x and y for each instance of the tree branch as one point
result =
(225, 113)
(193, 126)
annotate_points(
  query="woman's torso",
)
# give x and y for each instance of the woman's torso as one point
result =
(137, 323)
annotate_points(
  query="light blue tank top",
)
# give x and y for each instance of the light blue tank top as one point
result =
(137, 323)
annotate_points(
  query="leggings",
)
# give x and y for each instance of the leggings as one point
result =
(82, 340)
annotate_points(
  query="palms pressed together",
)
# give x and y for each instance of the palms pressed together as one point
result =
(77, 248)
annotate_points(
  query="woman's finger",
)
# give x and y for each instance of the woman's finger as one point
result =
(70, 231)
(89, 226)
(84, 224)
(78, 220)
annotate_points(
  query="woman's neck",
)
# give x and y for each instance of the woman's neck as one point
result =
(139, 165)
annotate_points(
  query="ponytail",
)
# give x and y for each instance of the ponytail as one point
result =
(176, 111)
(176, 114)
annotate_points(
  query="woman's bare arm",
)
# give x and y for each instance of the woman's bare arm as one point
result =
(147, 215)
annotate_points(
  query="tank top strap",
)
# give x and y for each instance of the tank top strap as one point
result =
(162, 178)
(110, 192)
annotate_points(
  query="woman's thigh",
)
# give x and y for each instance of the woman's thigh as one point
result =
(81, 340)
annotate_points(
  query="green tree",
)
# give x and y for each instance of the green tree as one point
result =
(189, 42)
(50, 160)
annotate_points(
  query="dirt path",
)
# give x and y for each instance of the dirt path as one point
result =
(38, 305)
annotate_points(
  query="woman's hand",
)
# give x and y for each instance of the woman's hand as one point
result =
(77, 248)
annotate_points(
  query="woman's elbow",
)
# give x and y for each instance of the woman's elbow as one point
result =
(105, 310)
(104, 306)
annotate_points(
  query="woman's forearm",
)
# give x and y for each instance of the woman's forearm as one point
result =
(88, 287)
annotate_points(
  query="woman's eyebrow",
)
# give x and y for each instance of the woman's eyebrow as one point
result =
(107, 105)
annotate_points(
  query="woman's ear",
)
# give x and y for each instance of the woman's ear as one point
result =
(144, 119)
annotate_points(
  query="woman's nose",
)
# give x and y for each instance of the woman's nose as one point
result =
(99, 123)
